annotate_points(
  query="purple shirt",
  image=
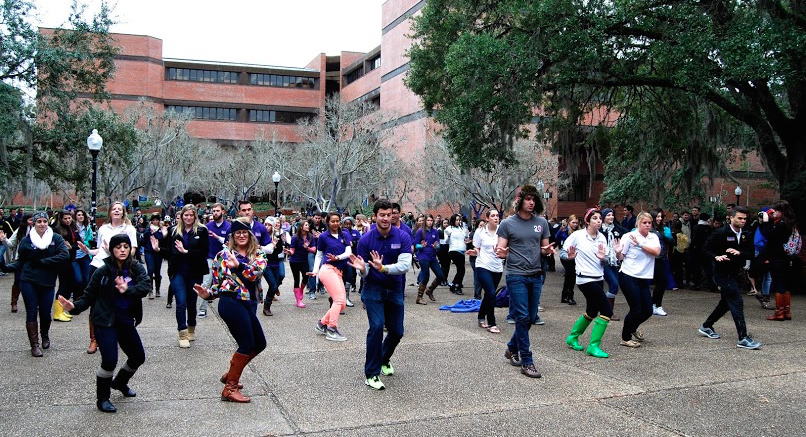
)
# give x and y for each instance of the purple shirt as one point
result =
(261, 233)
(221, 231)
(428, 252)
(390, 248)
(328, 244)
(300, 251)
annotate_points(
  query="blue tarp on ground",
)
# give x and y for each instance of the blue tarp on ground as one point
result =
(463, 306)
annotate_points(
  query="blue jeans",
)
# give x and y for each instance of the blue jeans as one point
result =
(272, 276)
(81, 267)
(185, 300)
(476, 282)
(524, 297)
(243, 324)
(428, 266)
(153, 265)
(312, 279)
(38, 299)
(384, 307)
(129, 340)
(611, 277)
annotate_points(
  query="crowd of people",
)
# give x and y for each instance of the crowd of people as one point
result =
(211, 255)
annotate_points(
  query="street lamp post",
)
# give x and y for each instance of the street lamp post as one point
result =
(94, 143)
(276, 179)
(738, 193)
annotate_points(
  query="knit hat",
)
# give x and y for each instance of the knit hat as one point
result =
(346, 219)
(119, 239)
(607, 211)
(40, 215)
(238, 225)
(528, 189)
(155, 217)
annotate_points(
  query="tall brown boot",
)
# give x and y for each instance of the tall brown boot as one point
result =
(93, 344)
(33, 338)
(15, 297)
(267, 307)
(787, 301)
(225, 376)
(420, 291)
(231, 391)
(779, 308)
(612, 301)
(430, 290)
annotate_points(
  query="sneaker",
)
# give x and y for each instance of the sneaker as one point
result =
(168, 305)
(748, 343)
(151, 295)
(708, 332)
(630, 343)
(387, 369)
(333, 334)
(513, 358)
(540, 308)
(312, 295)
(374, 382)
(530, 371)
(202, 313)
(349, 303)
(658, 311)
(320, 328)
(539, 321)
(510, 320)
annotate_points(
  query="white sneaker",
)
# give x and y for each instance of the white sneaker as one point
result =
(349, 303)
(658, 311)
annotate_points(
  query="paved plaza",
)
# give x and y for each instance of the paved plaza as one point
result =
(451, 378)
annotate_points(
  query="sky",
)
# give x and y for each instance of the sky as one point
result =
(266, 32)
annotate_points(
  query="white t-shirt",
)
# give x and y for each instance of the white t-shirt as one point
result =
(105, 233)
(589, 268)
(638, 263)
(456, 238)
(486, 242)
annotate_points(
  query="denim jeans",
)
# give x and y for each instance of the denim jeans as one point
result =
(129, 340)
(272, 276)
(384, 307)
(38, 299)
(639, 298)
(67, 279)
(489, 282)
(428, 266)
(81, 269)
(524, 297)
(186, 296)
(730, 300)
(476, 283)
(154, 265)
(243, 324)
(611, 277)
(312, 279)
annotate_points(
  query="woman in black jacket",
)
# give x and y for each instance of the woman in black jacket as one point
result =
(115, 294)
(782, 265)
(37, 257)
(186, 267)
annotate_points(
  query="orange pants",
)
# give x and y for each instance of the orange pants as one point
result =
(331, 278)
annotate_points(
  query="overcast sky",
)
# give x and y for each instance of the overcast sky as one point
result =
(269, 32)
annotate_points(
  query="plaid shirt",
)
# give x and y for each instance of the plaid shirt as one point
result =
(226, 281)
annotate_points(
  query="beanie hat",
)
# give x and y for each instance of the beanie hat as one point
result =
(40, 215)
(606, 211)
(119, 239)
(238, 225)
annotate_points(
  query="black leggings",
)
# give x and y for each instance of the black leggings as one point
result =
(597, 302)
(570, 276)
(458, 259)
(444, 258)
(239, 315)
(299, 269)
(660, 281)
(129, 340)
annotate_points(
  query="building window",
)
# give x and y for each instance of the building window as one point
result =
(577, 192)
(202, 75)
(267, 116)
(282, 81)
(354, 75)
(374, 63)
(205, 113)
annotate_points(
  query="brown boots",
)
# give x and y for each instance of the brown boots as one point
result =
(33, 338)
(782, 307)
(420, 292)
(93, 347)
(612, 301)
(231, 391)
(430, 290)
(15, 296)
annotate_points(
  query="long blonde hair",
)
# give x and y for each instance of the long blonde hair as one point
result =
(251, 247)
(125, 217)
(180, 227)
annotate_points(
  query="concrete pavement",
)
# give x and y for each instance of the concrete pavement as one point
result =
(451, 377)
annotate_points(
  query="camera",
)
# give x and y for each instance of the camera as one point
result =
(763, 216)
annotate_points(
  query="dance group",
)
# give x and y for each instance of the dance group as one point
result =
(225, 260)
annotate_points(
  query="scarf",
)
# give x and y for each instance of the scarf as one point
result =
(41, 242)
(153, 228)
(610, 254)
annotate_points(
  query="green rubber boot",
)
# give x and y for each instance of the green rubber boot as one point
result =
(579, 328)
(599, 328)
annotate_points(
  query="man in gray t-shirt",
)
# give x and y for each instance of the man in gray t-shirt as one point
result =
(522, 239)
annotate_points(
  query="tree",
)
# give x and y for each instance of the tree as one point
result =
(344, 156)
(482, 189)
(738, 62)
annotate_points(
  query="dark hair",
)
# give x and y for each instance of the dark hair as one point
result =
(654, 213)
(677, 226)
(787, 214)
(630, 208)
(704, 216)
(302, 225)
(327, 219)
(731, 205)
(453, 218)
(396, 206)
(381, 204)
(60, 228)
(736, 209)
(529, 190)
(243, 202)
(487, 214)
(86, 217)
(589, 213)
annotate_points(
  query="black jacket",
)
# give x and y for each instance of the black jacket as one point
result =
(722, 239)
(37, 266)
(197, 247)
(101, 293)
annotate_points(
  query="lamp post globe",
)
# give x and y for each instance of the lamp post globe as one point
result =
(738, 193)
(94, 144)
(276, 179)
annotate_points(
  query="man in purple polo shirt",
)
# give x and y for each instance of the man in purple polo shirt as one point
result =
(217, 231)
(261, 233)
(384, 253)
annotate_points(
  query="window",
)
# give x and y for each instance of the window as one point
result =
(202, 75)
(577, 192)
(268, 116)
(354, 75)
(282, 81)
(374, 63)
(205, 113)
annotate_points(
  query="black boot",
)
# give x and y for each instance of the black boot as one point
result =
(157, 284)
(122, 380)
(570, 297)
(44, 330)
(564, 296)
(103, 386)
(459, 289)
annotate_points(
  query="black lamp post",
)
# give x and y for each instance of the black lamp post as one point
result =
(276, 179)
(94, 143)
(738, 193)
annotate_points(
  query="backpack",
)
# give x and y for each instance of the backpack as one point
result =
(795, 243)
(502, 297)
(682, 242)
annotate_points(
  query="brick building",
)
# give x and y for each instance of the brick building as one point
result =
(234, 103)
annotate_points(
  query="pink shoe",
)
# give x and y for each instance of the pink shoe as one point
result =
(298, 295)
